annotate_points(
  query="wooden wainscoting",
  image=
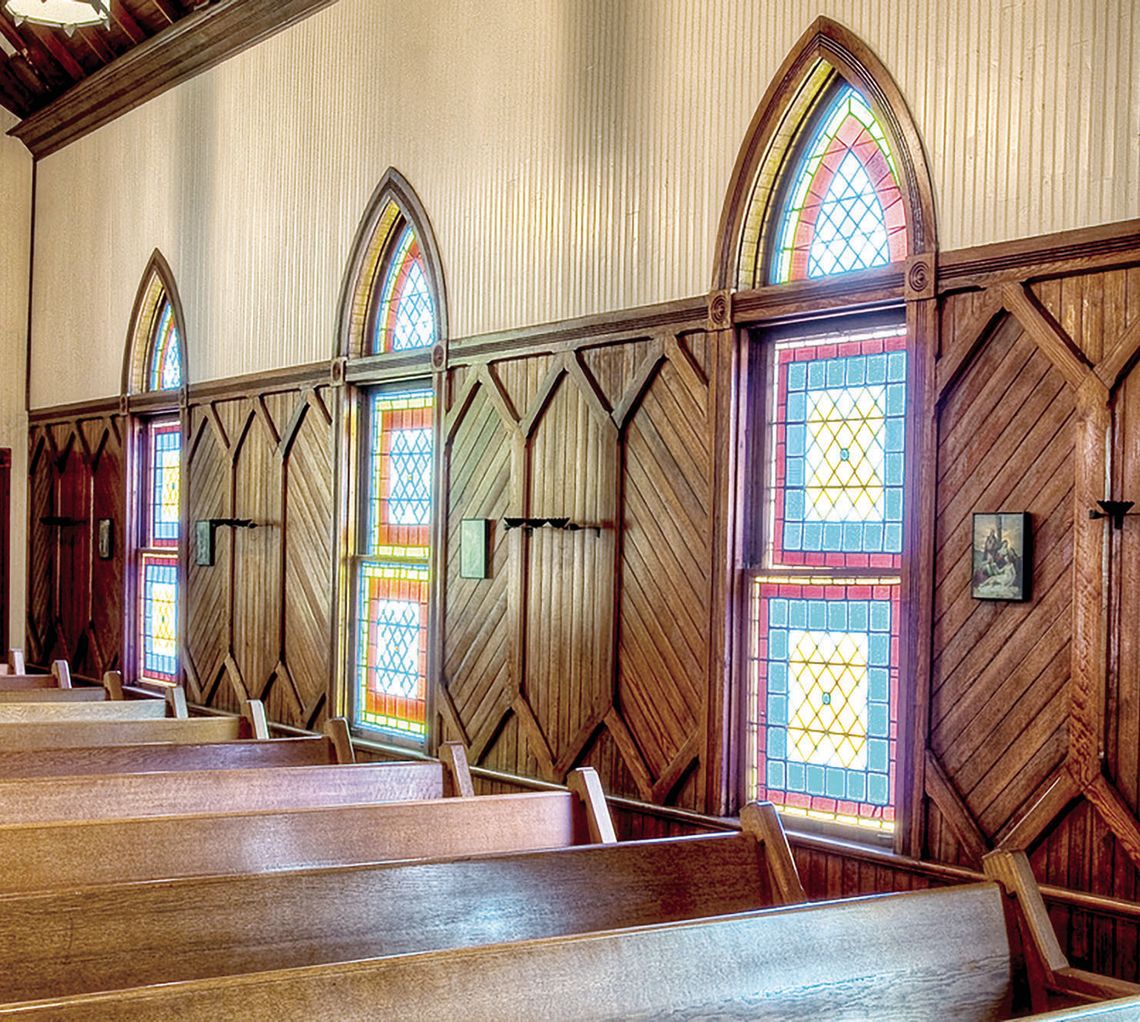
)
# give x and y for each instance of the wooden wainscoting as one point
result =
(259, 622)
(75, 608)
(600, 646)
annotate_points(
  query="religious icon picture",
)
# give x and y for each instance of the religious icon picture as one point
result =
(1001, 562)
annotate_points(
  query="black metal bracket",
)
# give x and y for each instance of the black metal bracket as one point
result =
(204, 530)
(1117, 510)
(61, 521)
(530, 524)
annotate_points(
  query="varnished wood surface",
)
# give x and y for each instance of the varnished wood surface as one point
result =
(55, 856)
(75, 734)
(159, 756)
(1121, 1010)
(928, 955)
(51, 694)
(118, 796)
(26, 682)
(78, 712)
(73, 942)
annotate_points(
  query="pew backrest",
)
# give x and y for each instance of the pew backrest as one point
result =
(120, 796)
(197, 928)
(158, 756)
(923, 954)
(50, 694)
(54, 856)
(81, 711)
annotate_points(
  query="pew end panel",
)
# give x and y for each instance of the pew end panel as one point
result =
(761, 821)
(113, 686)
(456, 770)
(1048, 966)
(587, 787)
(254, 722)
(335, 729)
(15, 662)
(61, 671)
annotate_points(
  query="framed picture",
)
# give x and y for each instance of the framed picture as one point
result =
(1002, 564)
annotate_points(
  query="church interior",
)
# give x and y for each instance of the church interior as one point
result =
(569, 509)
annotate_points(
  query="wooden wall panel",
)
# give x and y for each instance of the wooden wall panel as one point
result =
(589, 646)
(75, 599)
(259, 622)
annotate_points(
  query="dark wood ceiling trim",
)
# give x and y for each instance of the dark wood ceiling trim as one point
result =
(193, 44)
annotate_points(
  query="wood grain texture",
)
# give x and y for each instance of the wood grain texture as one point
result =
(55, 856)
(945, 953)
(200, 928)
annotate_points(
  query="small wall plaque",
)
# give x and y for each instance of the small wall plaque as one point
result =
(1002, 563)
(106, 539)
(473, 542)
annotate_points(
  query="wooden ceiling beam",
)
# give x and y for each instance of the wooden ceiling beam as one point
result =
(122, 17)
(95, 39)
(191, 45)
(59, 52)
(14, 95)
(169, 10)
(33, 52)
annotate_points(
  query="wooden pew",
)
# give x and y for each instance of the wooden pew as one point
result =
(112, 689)
(157, 756)
(14, 663)
(1125, 1009)
(60, 856)
(81, 711)
(938, 954)
(945, 953)
(188, 929)
(40, 734)
(177, 793)
(17, 680)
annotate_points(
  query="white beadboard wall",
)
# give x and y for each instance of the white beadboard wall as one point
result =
(572, 154)
(16, 218)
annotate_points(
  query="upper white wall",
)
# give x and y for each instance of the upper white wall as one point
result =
(16, 218)
(573, 156)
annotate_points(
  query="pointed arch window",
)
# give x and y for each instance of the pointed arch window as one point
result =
(830, 180)
(843, 207)
(395, 311)
(156, 366)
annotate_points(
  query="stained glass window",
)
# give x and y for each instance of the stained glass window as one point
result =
(393, 574)
(405, 317)
(165, 370)
(843, 207)
(825, 663)
(823, 714)
(158, 618)
(839, 445)
(165, 471)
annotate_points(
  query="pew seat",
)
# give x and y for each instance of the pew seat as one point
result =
(72, 942)
(66, 855)
(118, 796)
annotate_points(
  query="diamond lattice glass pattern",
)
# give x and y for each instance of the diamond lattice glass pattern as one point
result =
(839, 440)
(166, 352)
(158, 618)
(165, 471)
(392, 655)
(393, 579)
(824, 720)
(844, 208)
(406, 316)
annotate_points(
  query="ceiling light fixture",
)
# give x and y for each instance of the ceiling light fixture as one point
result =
(65, 14)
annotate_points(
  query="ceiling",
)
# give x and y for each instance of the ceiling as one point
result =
(38, 64)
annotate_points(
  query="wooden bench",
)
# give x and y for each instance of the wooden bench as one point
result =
(175, 793)
(157, 756)
(188, 929)
(112, 688)
(60, 856)
(938, 954)
(1126, 1009)
(43, 734)
(13, 680)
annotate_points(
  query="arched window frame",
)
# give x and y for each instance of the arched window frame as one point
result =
(384, 390)
(758, 314)
(155, 415)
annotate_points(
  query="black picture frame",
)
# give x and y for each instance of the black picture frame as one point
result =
(1001, 562)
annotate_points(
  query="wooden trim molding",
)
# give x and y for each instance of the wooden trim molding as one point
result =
(826, 50)
(191, 45)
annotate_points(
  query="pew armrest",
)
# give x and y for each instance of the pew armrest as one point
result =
(113, 685)
(253, 711)
(62, 673)
(454, 759)
(762, 822)
(586, 784)
(1091, 986)
(335, 729)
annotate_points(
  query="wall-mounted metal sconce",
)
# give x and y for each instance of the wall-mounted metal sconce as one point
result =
(204, 536)
(106, 538)
(530, 524)
(1117, 510)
